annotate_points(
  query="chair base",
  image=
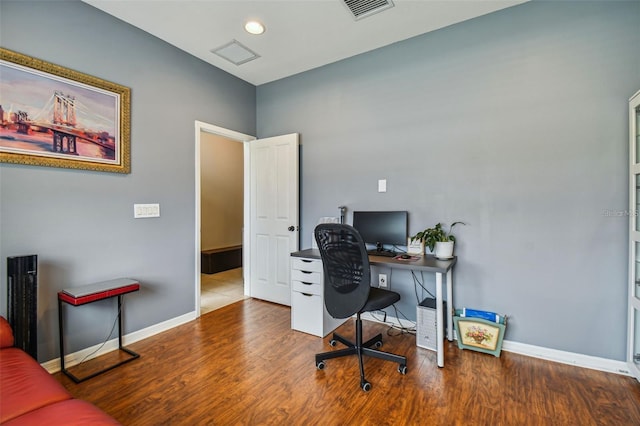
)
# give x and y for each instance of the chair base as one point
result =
(360, 348)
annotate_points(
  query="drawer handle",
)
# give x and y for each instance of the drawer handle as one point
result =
(306, 260)
(306, 272)
(307, 294)
(306, 283)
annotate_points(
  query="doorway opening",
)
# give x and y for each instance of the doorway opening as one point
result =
(221, 207)
(221, 214)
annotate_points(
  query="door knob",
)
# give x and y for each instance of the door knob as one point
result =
(291, 228)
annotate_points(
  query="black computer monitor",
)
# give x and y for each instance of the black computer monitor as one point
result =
(382, 228)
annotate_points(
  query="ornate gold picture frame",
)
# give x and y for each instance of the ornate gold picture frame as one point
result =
(53, 116)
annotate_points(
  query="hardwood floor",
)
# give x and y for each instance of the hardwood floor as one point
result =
(243, 365)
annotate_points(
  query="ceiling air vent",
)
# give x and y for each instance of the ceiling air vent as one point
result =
(365, 8)
(235, 53)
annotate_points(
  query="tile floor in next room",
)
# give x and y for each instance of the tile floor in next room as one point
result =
(220, 289)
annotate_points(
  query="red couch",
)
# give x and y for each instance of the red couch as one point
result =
(29, 395)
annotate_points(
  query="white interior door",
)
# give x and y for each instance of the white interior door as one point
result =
(274, 216)
(633, 330)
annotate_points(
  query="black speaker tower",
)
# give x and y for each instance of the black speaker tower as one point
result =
(22, 302)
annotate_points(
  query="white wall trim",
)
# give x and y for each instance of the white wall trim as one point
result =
(548, 354)
(563, 357)
(53, 366)
(201, 126)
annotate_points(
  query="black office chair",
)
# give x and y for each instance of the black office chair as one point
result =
(348, 291)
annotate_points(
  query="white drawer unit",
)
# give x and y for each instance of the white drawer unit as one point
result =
(302, 264)
(308, 313)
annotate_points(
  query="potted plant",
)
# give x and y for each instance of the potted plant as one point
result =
(439, 241)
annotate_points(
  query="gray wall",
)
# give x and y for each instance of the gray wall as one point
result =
(81, 223)
(516, 123)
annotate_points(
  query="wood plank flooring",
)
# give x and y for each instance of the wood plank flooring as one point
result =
(243, 365)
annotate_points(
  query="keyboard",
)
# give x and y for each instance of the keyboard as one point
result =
(381, 253)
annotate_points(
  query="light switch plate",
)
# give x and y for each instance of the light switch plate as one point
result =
(382, 185)
(141, 211)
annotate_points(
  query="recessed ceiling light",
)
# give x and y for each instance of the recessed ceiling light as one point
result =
(254, 27)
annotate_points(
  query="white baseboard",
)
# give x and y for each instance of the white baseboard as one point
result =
(571, 358)
(53, 366)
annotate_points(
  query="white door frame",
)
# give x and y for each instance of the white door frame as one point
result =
(201, 126)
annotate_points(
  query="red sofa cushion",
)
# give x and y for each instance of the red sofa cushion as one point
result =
(6, 334)
(73, 412)
(25, 385)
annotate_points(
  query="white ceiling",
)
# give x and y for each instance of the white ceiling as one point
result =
(300, 34)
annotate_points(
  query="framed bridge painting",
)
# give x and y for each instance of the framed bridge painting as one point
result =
(53, 116)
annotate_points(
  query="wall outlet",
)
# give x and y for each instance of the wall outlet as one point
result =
(382, 281)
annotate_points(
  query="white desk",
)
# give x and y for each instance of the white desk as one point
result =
(425, 264)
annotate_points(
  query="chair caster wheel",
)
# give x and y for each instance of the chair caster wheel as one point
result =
(320, 365)
(366, 386)
(378, 344)
(332, 342)
(402, 369)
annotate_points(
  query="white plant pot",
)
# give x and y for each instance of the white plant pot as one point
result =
(443, 250)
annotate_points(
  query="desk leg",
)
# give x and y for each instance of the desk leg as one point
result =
(450, 305)
(439, 319)
(119, 321)
(61, 335)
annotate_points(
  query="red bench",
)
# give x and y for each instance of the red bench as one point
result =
(77, 296)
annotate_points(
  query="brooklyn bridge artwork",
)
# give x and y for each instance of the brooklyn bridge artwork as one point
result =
(49, 119)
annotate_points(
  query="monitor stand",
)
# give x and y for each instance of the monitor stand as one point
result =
(380, 251)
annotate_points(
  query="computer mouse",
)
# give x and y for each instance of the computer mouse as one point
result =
(405, 256)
